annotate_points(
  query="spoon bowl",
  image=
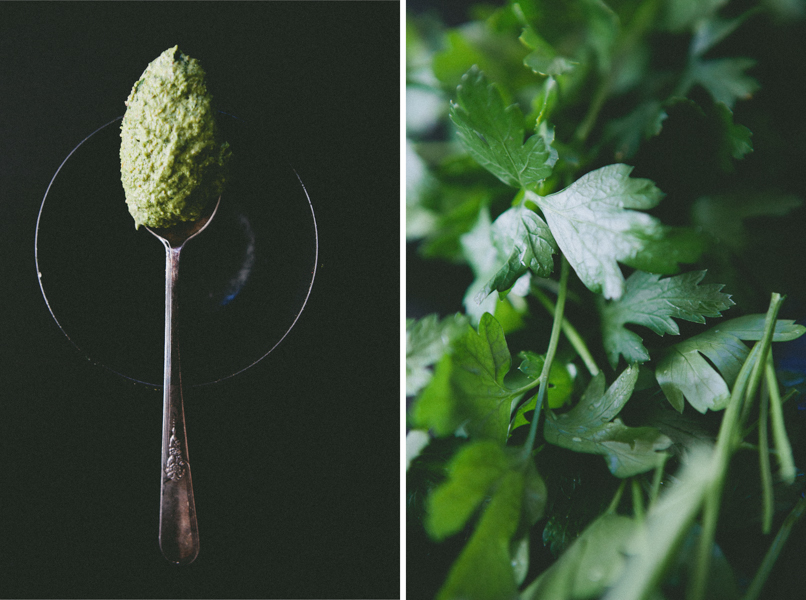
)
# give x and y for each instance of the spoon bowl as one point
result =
(177, 235)
(179, 530)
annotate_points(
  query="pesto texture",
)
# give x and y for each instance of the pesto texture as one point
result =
(172, 159)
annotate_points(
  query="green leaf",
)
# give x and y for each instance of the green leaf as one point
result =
(723, 216)
(547, 64)
(627, 133)
(493, 134)
(736, 139)
(591, 427)
(592, 228)
(751, 328)
(591, 564)
(712, 30)
(498, 53)
(524, 243)
(477, 244)
(479, 248)
(459, 54)
(561, 385)
(684, 373)
(471, 474)
(603, 30)
(483, 570)
(679, 15)
(712, 117)
(663, 254)
(453, 188)
(486, 568)
(427, 340)
(724, 78)
(652, 302)
(544, 59)
(544, 103)
(467, 389)
(510, 312)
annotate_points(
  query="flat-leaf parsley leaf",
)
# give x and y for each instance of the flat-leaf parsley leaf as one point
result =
(594, 229)
(684, 372)
(652, 302)
(468, 389)
(494, 134)
(524, 243)
(591, 427)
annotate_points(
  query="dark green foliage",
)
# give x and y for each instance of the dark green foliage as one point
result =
(599, 169)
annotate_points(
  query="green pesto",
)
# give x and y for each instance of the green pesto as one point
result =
(172, 160)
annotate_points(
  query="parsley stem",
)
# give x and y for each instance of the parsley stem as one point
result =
(611, 509)
(552, 350)
(767, 495)
(725, 445)
(728, 440)
(571, 334)
(594, 109)
(789, 395)
(782, 446)
(775, 549)
(766, 341)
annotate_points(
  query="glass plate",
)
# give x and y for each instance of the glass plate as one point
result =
(243, 282)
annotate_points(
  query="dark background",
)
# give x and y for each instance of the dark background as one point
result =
(295, 462)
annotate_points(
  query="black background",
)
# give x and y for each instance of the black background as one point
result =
(295, 462)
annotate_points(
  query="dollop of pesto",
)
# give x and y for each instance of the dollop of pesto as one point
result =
(172, 160)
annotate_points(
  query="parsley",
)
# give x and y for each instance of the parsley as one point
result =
(517, 497)
(525, 244)
(594, 230)
(595, 174)
(426, 342)
(468, 388)
(684, 372)
(493, 134)
(591, 427)
(652, 302)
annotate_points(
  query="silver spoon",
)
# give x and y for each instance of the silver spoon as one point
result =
(179, 530)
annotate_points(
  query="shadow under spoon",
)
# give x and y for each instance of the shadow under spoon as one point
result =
(179, 530)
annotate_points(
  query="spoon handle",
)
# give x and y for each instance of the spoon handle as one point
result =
(179, 531)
